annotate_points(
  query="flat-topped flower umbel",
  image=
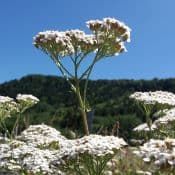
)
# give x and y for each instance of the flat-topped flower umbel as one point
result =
(107, 39)
(10, 107)
(161, 97)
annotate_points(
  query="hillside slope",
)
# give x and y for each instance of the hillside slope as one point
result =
(109, 98)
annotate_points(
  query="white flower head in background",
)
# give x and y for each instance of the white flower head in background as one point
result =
(8, 107)
(151, 103)
(160, 97)
(161, 152)
(5, 99)
(27, 97)
(169, 116)
(144, 127)
(26, 101)
(94, 145)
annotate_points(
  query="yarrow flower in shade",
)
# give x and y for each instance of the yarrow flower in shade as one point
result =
(161, 152)
(108, 39)
(160, 97)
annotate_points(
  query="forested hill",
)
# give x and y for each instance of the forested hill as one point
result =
(109, 98)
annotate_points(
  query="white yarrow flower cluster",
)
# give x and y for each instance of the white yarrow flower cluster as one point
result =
(54, 43)
(112, 33)
(27, 97)
(109, 32)
(160, 97)
(163, 99)
(95, 145)
(110, 24)
(144, 127)
(7, 107)
(169, 116)
(27, 152)
(161, 152)
(26, 101)
(61, 44)
(37, 135)
(5, 99)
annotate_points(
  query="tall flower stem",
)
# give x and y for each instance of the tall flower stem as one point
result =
(3, 126)
(82, 108)
(87, 73)
(148, 110)
(76, 89)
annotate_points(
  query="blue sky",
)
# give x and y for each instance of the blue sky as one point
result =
(151, 52)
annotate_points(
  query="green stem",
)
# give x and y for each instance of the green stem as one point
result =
(82, 108)
(89, 164)
(63, 73)
(14, 133)
(81, 57)
(87, 77)
(148, 110)
(78, 94)
(63, 70)
(76, 90)
(3, 126)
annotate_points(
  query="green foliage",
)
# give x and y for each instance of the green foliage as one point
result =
(54, 145)
(57, 106)
(86, 164)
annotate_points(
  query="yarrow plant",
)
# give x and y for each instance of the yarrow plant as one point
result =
(161, 152)
(10, 107)
(152, 103)
(107, 39)
(34, 152)
(90, 154)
